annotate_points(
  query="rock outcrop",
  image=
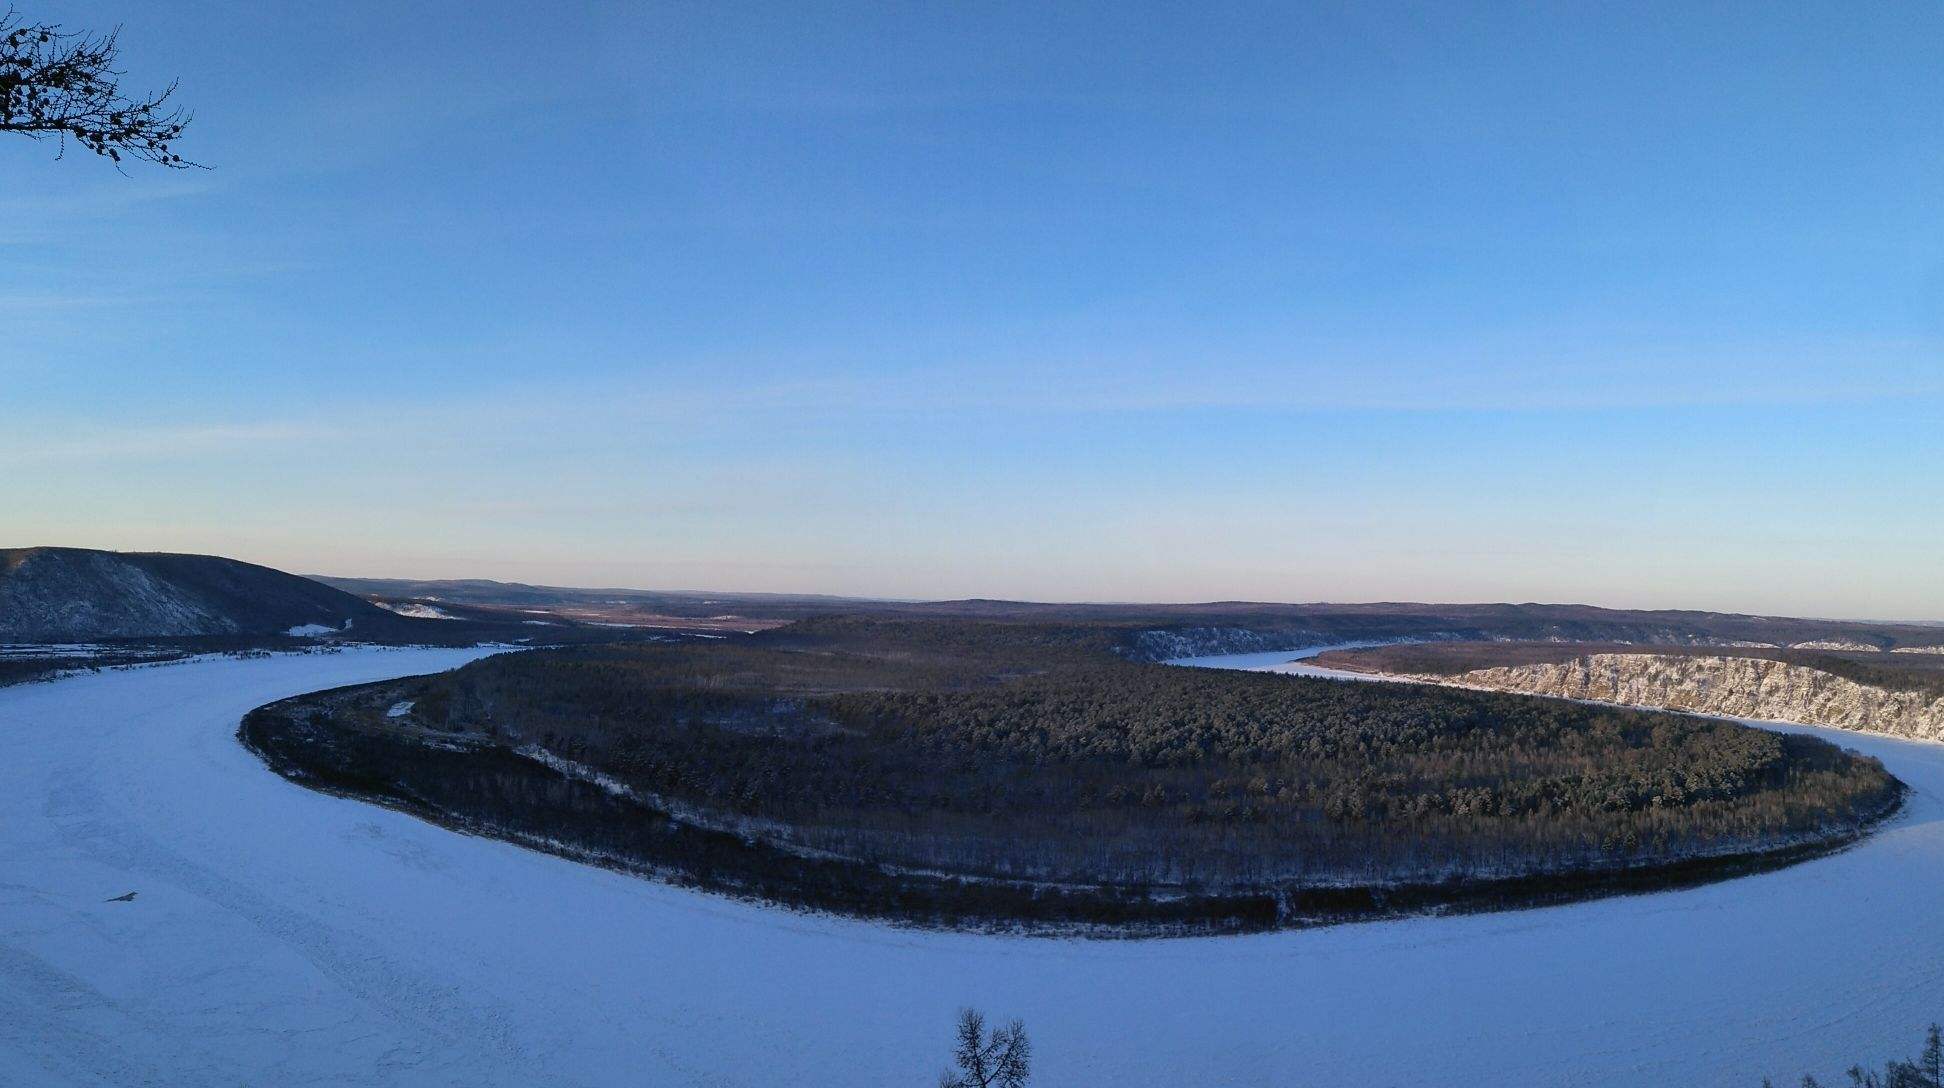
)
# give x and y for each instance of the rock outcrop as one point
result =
(1741, 687)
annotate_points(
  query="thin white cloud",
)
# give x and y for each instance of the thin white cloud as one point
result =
(71, 445)
(672, 407)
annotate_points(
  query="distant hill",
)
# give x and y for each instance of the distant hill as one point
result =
(481, 592)
(487, 601)
(1161, 631)
(80, 594)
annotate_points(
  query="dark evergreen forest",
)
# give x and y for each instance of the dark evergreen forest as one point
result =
(1030, 753)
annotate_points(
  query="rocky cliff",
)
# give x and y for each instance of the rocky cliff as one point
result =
(1742, 687)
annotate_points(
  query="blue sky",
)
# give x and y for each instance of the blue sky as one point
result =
(1638, 305)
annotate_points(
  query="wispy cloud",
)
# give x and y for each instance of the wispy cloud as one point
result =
(50, 214)
(18, 302)
(99, 443)
(1794, 375)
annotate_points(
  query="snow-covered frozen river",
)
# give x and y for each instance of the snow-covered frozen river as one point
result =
(281, 937)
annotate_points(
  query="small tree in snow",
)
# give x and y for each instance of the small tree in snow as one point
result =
(1001, 1058)
(1926, 1072)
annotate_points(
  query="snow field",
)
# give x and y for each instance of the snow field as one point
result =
(285, 937)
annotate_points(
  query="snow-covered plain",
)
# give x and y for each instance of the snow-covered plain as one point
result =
(284, 937)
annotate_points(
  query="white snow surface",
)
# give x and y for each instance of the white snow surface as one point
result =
(417, 610)
(285, 937)
(53, 649)
(311, 630)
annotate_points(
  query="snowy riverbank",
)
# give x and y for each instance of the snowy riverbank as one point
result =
(286, 937)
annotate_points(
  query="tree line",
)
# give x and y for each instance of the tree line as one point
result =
(1028, 751)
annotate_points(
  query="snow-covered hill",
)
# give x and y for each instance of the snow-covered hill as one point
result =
(280, 936)
(1747, 687)
(73, 594)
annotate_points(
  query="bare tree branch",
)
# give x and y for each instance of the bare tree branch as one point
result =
(64, 85)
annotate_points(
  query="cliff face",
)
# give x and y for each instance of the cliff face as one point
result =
(1741, 687)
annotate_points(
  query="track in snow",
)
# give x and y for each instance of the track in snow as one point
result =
(284, 937)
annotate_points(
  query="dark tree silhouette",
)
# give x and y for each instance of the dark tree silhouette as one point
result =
(999, 1059)
(64, 84)
(1926, 1072)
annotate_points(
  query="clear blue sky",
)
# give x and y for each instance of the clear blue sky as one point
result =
(1634, 304)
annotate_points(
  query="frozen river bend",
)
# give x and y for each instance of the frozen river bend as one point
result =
(284, 937)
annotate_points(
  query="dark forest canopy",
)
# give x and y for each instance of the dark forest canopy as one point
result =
(1029, 751)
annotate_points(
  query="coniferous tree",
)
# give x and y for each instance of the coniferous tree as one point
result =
(1001, 1058)
(1925, 1072)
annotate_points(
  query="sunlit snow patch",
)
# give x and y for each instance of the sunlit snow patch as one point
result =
(417, 610)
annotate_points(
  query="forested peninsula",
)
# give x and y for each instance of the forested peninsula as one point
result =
(1026, 775)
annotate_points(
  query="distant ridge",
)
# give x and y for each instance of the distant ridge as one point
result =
(81, 594)
(1160, 631)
